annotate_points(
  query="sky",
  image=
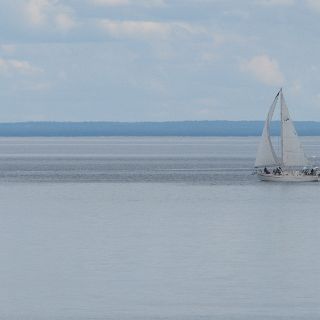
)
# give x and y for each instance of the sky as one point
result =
(157, 60)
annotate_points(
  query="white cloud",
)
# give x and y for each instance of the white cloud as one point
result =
(36, 11)
(129, 2)
(220, 38)
(147, 29)
(44, 12)
(209, 56)
(8, 48)
(314, 4)
(265, 70)
(64, 21)
(9, 66)
(111, 2)
(276, 2)
(135, 28)
(39, 86)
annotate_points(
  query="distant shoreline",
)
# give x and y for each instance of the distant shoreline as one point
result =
(218, 128)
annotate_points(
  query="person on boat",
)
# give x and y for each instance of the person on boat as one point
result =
(277, 171)
(266, 171)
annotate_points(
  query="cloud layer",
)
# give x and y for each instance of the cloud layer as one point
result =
(128, 2)
(157, 59)
(10, 66)
(48, 12)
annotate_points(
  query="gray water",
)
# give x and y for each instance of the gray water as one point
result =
(153, 228)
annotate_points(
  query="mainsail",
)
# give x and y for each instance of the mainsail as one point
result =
(292, 154)
(292, 151)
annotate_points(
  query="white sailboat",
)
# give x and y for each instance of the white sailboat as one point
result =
(290, 164)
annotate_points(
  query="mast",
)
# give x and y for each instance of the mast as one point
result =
(281, 125)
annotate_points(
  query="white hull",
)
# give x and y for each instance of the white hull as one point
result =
(287, 177)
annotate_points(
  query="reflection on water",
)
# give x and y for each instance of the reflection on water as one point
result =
(190, 160)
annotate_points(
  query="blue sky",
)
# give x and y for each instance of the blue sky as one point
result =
(139, 60)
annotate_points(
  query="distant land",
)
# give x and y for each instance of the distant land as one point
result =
(174, 128)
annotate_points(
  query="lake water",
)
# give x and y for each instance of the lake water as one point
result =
(153, 228)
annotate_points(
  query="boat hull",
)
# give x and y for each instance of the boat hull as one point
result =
(287, 177)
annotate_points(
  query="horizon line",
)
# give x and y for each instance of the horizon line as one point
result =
(138, 121)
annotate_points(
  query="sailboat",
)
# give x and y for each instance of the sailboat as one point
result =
(291, 163)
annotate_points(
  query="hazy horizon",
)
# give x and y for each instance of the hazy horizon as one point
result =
(171, 128)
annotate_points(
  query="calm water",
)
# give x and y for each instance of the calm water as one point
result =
(153, 228)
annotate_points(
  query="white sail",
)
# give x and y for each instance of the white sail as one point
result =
(266, 155)
(292, 151)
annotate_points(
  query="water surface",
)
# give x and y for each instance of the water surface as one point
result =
(153, 228)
